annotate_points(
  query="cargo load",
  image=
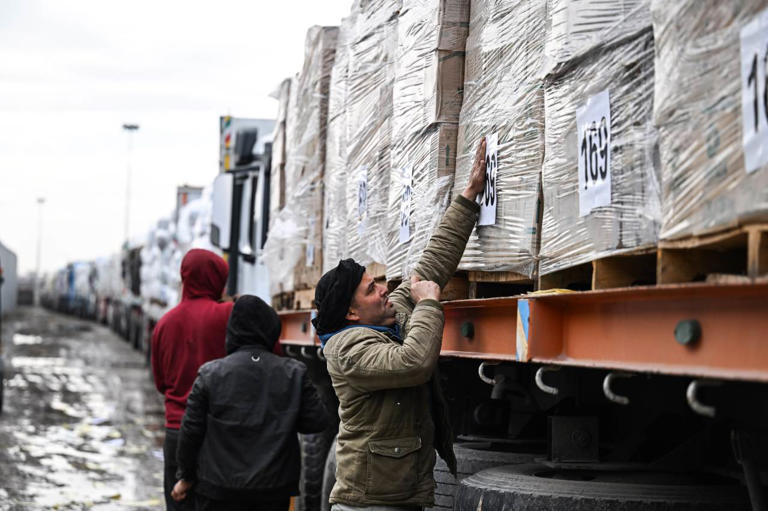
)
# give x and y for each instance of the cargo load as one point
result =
(600, 177)
(277, 170)
(429, 76)
(293, 252)
(711, 114)
(503, 99)
(334, 208)
(369, 130)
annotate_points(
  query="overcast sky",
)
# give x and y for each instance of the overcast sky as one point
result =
(72, 72)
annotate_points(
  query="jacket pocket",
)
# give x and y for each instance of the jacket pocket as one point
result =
(392, 466)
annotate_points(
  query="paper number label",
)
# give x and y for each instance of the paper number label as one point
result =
(593, 127)
(490, 196)
(406, 176)
(754, 91)
(362, 200)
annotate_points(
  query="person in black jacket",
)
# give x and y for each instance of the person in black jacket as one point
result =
(238, 442)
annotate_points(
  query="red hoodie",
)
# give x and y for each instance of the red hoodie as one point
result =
(192, 333)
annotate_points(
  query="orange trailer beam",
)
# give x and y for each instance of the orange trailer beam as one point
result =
(633, 329)
(630, 329)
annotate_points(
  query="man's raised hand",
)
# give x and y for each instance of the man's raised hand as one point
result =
(476, 183)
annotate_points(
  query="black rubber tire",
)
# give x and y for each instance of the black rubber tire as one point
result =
(314, 450)
(537, 486)
(329, 477)
(471, 457)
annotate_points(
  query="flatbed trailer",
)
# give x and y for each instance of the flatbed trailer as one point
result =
(668, 378)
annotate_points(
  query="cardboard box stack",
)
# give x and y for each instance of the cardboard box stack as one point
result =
(712, 120)
(369, 131)
(503, 96)
(294, 249)
(600, 176)
(428, 84)
(277, 171)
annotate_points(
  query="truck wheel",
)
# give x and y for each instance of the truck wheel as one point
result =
(314, 450)
(472, 457)
(329, 477)
(537, 486)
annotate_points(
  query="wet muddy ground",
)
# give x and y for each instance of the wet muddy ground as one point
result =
(82, 424)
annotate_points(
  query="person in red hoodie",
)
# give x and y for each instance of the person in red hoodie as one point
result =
(186, 337)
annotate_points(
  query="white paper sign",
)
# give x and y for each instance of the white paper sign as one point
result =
(362, 200)
(406, 178)
(490, 196)
(754, 93)
(593, 127)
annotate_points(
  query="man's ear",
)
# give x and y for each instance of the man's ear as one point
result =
(352, 315)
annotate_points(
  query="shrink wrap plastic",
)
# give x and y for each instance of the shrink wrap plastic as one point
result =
(575, 27)
(632, 218)
(369, 117)
(503, 94)
(698, 111)
(422, 168)
(429, 72)
(334, 209)
(158, 273)
(429, 64)
(304, 170)
(277, 171)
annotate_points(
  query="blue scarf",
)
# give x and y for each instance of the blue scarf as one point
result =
(393, 331)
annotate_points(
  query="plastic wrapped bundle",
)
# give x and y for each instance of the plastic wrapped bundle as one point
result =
(334, 208)
(429, 65)
(709, 182)
(419, 193)
(575, 27)
(369, 117)
(575, 229)
(503, 94)
(304, 170)
(277, 172)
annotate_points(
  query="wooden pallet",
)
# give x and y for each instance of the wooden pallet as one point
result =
(492, 284)
(632, 268)
(738, 254)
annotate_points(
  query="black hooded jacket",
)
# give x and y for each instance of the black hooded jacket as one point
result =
(238, 436)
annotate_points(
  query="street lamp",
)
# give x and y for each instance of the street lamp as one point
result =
(40, 202)
(130, 129)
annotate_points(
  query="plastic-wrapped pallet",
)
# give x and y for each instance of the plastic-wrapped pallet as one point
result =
(574, 27)
(369, 117)
(277, 172)
(706, 101)
(429, 80)
(294, 257)
(600, 176)
(503, 95)
(420, 191)
(334, 208)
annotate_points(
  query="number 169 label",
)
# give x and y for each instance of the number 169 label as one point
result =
(593, 126)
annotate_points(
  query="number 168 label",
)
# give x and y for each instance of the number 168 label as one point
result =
(593, 126)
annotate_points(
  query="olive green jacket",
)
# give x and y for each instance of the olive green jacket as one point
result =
(393, 415)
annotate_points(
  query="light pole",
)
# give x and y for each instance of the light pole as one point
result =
(130, 129)
(40, 202)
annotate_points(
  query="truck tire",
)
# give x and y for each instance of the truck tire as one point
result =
(471, 457)
(329, 477)
(537, 486)
(314, 450)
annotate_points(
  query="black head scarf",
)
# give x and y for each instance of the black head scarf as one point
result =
(252, 322)
(333, 295)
